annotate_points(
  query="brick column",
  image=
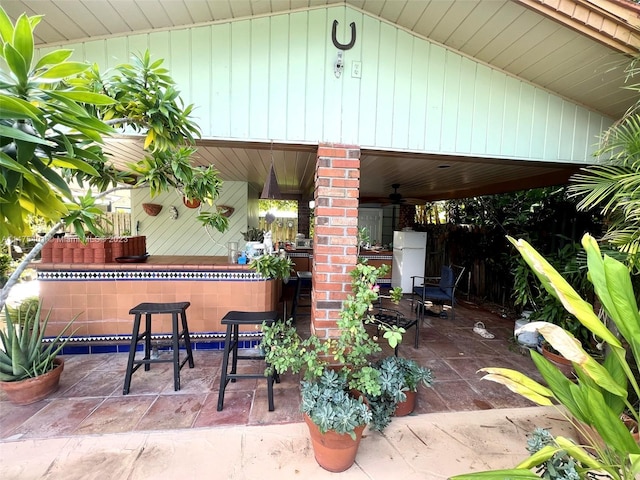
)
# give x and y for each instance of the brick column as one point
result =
(337, 183)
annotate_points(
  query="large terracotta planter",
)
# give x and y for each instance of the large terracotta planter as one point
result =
(564, 365)
(333, 451)
(406, 407)
(31, 390)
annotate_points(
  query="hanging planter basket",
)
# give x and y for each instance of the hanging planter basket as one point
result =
(152, 209)
(225, 210)
(194, 203)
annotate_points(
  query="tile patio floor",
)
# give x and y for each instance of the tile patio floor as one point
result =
(90, 399)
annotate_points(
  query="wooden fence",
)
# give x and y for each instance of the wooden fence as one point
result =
(484, 254)
(116, 224)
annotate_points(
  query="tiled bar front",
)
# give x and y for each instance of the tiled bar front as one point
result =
(101, 295)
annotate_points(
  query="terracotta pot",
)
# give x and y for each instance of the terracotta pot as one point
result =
(195, 203)
(31, 390)
(559, 361)
(152, 209)
(406, 407)
(333, 451)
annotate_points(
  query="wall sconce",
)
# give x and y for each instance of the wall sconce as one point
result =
(312, 204)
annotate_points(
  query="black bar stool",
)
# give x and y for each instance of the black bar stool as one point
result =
(233, 320)
(149, 309)
(304, 280)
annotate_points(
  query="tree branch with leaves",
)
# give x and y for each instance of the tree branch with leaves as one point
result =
(54, 116)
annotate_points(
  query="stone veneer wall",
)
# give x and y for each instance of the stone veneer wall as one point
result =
(337, 183)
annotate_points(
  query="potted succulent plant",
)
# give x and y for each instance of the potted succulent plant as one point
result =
(29, 370)
(338, 374)
(399, 380)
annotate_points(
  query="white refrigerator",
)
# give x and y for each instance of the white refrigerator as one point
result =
(409, 252)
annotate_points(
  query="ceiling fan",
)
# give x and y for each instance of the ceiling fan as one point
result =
(394, 198)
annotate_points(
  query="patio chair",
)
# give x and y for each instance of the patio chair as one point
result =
(442, 293)
(391, 317)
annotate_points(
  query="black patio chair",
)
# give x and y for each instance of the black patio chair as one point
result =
(391, 317)
(441, 293)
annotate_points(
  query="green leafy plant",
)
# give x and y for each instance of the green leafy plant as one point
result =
(349, 354)
(54, 115)
(529, 293)
(397, 376)
(5, 266)
(21, 311)
(272, 266)
(253, 234)
(601, 394)
(23, 354)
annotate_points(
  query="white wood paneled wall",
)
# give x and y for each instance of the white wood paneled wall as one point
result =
(272, 78)
(185, 235)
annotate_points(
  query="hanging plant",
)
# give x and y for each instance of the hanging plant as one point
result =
(191, 203)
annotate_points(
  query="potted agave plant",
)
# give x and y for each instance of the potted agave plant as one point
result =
(29, 370)
(338, 374)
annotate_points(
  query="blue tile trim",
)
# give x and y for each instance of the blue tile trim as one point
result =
(121, 343)
(104, 348)
(108, 275)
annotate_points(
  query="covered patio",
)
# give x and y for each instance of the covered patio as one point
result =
(90, 399)
(88, 429)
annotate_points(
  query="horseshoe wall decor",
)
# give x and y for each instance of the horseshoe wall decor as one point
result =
(343, 46)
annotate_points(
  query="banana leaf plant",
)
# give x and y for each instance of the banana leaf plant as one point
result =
(602, 390)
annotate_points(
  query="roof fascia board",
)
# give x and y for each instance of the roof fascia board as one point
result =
(605, 23)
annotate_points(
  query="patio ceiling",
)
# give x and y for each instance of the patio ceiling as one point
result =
(422, 178)
(571, 47)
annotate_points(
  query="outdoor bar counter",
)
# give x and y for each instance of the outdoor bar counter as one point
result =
(101, 294)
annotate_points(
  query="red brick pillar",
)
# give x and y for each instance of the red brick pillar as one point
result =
(337, 183)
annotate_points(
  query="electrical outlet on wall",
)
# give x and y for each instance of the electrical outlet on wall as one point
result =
(356, 69)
